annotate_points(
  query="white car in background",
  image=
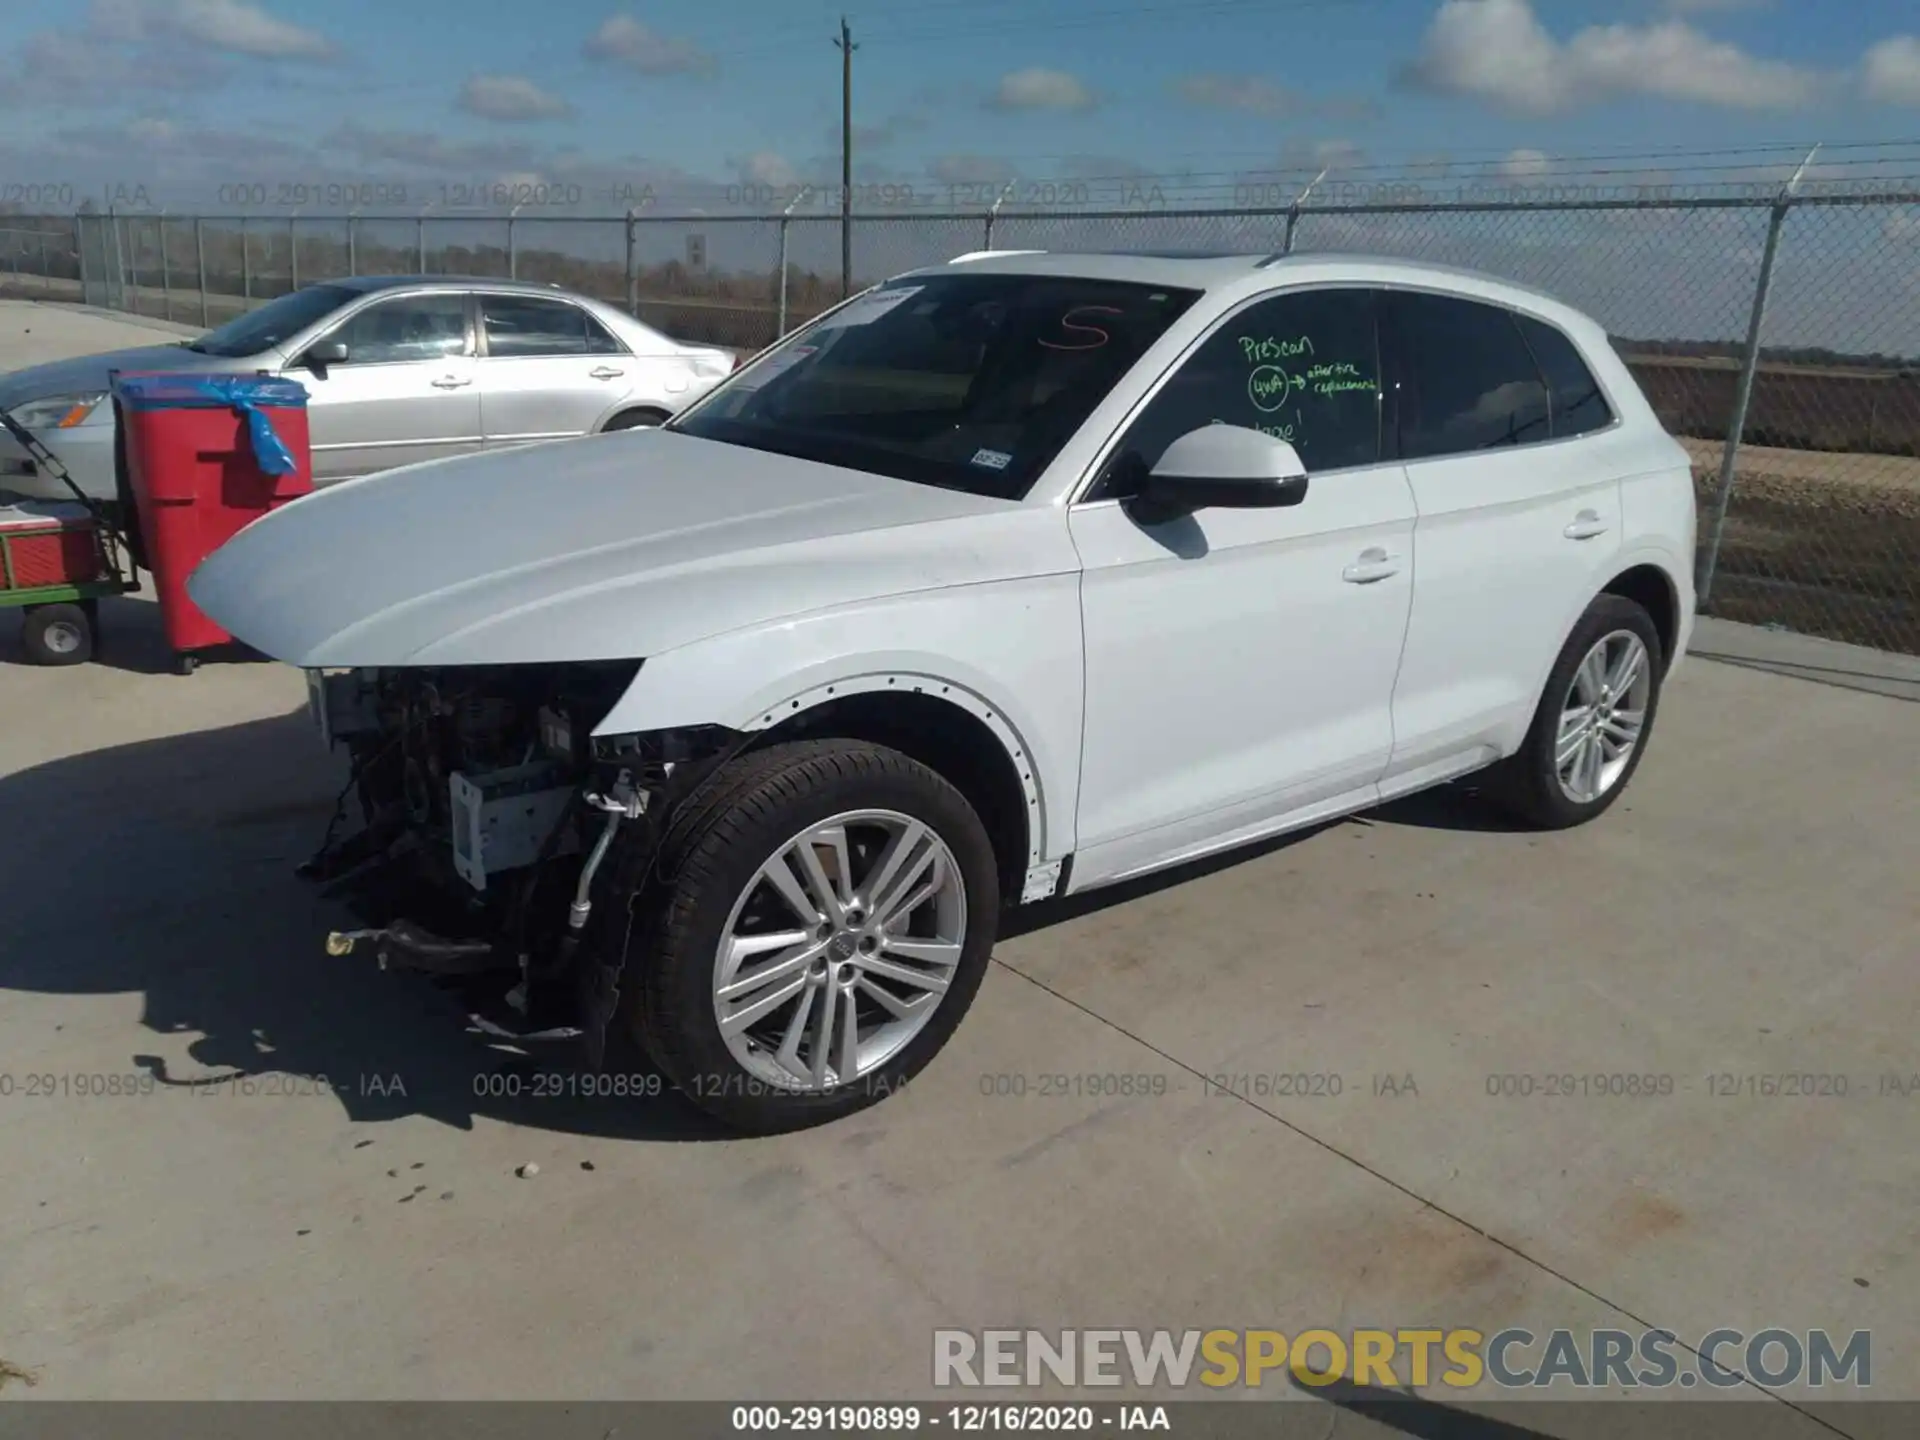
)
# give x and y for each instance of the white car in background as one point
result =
(1005, 580)
(397, 369)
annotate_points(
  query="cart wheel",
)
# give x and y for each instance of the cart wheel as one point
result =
(58, 635)
(185, 664)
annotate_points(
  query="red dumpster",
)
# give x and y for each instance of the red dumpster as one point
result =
(206, 456)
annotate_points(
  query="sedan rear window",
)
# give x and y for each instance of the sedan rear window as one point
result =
(972, 382)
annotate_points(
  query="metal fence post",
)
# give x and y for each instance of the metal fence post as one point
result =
(125, 263)
(780, 323)
(106, 260)
(633, 269)
(1743, 394)
(46, 272)
(420, 241)
(293, 252)
(200, 267)
(80, 254)
(1293, 211)
(116, 271)
(353, 254)
(513, 254)
(993, 213)
(246, 265)
(780, 320)
(166, 274)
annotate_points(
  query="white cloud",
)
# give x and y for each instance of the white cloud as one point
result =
(244, 29)
(1257, 95)
(764, 167)
(1250, 93)
(1524, 164)
(971, 170)
(1715, 7)
(1892, 71)
(1499, 52)
(623, 39)
(510, 97)
(150, 131)
(1038, 89)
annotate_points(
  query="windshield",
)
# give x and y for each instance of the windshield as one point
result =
(972, 382)
(274, 322)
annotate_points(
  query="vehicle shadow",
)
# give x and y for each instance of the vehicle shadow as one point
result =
(1405, 1413)
(1449, 807)
(1458, 806)
(174, 880)
(129, 637)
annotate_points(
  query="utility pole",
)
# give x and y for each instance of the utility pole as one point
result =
(846, 47)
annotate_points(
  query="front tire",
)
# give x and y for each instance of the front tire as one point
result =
(1594, 719)
(832, 911)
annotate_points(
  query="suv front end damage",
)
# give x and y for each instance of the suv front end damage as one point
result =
(489, 810)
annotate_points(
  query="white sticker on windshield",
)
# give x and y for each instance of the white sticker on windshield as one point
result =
(870, 307)
(992, 459)
(775, 366)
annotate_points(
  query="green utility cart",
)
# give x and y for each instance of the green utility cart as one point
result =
(57, 562)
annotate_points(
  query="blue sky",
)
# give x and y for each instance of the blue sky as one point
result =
(952, 99)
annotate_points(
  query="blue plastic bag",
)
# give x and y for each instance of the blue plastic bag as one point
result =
(243, 394)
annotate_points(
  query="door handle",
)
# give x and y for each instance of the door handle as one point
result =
(450, 382)
(605, 372)
(1373, 564)
(1585, 526)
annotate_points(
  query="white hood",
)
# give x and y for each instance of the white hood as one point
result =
(614, 547)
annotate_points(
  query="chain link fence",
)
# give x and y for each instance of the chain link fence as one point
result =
(1778, 337)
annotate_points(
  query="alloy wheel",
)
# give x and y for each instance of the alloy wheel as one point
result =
(1603, 716)
(839, 950)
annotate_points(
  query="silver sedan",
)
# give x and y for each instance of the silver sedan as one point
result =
(397, 369)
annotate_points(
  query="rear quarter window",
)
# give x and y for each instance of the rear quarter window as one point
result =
(1576, 403)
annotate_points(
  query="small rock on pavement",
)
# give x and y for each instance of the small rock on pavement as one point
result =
(528, 1171)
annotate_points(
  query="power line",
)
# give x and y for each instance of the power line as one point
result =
(1096, 18)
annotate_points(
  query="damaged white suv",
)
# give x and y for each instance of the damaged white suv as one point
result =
(1007, 579)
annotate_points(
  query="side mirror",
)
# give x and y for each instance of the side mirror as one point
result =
(324, 353)
(1220, 466)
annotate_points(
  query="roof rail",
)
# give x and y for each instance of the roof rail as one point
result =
(990, 255)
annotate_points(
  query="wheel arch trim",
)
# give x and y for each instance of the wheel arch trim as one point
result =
(961, 696)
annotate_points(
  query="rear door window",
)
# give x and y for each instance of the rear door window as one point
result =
(1465, 379)
(531, 325)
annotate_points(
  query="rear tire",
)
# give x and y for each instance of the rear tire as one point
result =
(636, 420)
(729, 939)
(58, 635)
(1598, 699)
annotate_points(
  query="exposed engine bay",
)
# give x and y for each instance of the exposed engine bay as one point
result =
(488, 813)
